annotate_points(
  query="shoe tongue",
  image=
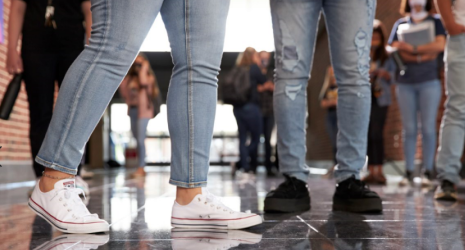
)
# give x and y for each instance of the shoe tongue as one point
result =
(69, 183)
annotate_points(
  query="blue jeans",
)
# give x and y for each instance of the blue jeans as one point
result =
(267, 129)
(350, 26)
(196, 32)
(139, 131)
(249, 121)
(419, 100)
(331, 128)
(452, 133)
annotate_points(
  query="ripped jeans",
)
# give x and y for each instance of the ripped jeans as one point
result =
(349, 24)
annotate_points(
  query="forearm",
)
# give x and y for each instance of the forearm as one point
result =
(434, 47)
(445, 9)
(412, 58)
(15, 23)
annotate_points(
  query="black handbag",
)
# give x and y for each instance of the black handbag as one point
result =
(9, 98)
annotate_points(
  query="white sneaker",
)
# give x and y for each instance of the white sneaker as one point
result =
(75, 241)
(81, 184)
(64, 210)
(207, 211)
(29, 192)
(206, 239)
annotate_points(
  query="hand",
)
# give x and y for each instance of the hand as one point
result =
(14, 63)
(455, 29)
(403, 46)
(429, 57)
(384, 74)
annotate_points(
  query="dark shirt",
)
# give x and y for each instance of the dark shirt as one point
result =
(256, 78)
(424, 71)
(266, 97)
(69, 34)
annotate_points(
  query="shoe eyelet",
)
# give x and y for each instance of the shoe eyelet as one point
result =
(199, 200)
(205, 203)
(208, 216)
(200, 216)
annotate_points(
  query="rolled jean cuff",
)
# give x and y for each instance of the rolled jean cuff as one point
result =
(188, 185)
(452, 178)
(55, 166)
(303, 176)
(344, 176)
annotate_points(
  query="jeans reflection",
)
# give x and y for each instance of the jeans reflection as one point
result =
(449, 233)
(342, 231)
(206, 239)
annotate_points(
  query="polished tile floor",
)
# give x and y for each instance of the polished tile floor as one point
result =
(139, 213)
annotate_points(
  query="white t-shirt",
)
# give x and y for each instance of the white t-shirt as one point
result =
(459, 11)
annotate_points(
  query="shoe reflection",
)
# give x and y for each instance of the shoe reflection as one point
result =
(75, 241)
(206, 239)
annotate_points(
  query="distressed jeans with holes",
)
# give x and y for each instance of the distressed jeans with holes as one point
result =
(196, 30)
(452, 134)
(349, 24)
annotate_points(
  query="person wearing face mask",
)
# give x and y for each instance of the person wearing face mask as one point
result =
(380, 78)
(265, 93)
(452, 128)
(248, 115)
(419, 89)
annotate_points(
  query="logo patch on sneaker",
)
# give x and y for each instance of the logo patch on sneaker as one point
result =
(68, 184)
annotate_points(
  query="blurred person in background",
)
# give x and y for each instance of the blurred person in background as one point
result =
(248, 115)
(380, 78)
(51, 41)
(419, 90)
(329, 102)
(452, 132)
(138, 89)
(265, 92)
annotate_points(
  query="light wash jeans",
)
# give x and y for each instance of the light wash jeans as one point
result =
(419, 100)
(350, 26)
(196, 30)
(139, 131)
(452, 133)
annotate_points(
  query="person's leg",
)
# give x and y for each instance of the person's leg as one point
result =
(407, 99)
(430, 94)
(254, 125)
(142, 124)
(268, 125)
(331, 128)
(39, 78)
(196, 31)
(295, 25)
(350, 26)
(65, 60)
(452, 134)
(242, 131)
(118, 30)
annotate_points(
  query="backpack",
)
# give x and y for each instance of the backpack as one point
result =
(236, 86)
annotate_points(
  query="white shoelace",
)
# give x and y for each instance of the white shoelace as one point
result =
(76, 205)
(215, 201)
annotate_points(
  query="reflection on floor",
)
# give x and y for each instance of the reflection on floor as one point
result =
(139, 212)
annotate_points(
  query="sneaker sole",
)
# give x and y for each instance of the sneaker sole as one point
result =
(446, 197)
(64, 227)
(287, 205)
(358, 205)
(217, 223)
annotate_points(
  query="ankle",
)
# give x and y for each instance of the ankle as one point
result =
(50, 177)
(184, 196)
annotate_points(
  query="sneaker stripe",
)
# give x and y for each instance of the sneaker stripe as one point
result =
(214, 219)
(45, 217)
(60, 220)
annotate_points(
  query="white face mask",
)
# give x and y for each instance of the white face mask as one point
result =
(413, 13)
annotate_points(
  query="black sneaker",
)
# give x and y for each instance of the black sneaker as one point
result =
(446, 192)
(291, 196)
(353, 195)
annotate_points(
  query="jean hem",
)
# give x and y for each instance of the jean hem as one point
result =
(188, 184)
(55, 166)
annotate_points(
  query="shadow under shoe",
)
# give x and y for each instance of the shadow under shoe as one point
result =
(291, 196)
(353, 195)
